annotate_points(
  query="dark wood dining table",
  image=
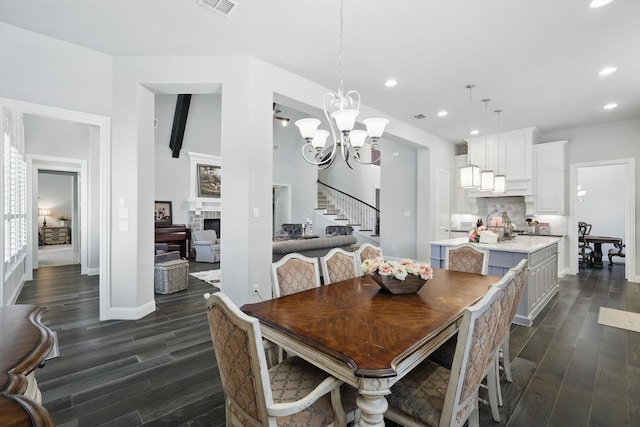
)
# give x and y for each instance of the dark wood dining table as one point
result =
(597, 241)
(365, 336)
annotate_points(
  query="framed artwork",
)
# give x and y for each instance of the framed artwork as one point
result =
(209, 180)
(163, 212)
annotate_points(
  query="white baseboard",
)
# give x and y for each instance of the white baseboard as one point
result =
(93, 271)
(133, 313)
(16, 292)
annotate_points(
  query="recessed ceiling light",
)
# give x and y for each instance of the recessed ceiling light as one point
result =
(474, 132)
(390, 83)
(608, 70)
(610, 106)
(442, 113)
(599, 3)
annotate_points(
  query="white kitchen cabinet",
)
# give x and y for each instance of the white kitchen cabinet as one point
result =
(549, 162)
(461, 200)
(511, 154)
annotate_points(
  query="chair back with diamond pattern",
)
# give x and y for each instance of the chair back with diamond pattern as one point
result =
(294, 273)
(473, 352)
(467, 258)
(243, 369)
(338, 265)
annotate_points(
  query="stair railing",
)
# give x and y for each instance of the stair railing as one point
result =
(356, 211)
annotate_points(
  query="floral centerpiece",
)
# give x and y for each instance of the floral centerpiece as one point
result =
(474, 234)
(398, 277)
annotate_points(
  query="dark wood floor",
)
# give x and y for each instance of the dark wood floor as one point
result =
(160, 370)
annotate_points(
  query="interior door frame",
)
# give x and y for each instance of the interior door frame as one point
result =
(103, 125)
(629, 183)
(40, 163)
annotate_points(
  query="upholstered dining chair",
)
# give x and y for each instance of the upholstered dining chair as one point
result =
(293, 392)
(467, 258)
(520, 275)
(294, 273)
(367, 251)
(431, 395)
(338, 265)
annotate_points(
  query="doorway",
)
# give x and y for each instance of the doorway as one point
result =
(58, 237)
(606, 199)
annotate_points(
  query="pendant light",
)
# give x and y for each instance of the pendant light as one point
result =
(486, 175)
(470, 174)
(500, 180)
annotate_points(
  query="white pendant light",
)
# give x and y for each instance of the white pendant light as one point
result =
(470, 174)
(486, 175)
(500, 180)
(341, 110)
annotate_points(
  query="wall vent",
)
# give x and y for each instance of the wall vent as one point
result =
(223, 7)
(276, 147)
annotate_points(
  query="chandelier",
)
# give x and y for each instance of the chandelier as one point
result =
(340, 110)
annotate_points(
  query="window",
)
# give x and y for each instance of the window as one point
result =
(15, 189)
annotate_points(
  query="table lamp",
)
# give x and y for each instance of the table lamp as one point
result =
(44, 213)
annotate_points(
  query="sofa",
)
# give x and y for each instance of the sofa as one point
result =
(206, 245)
(316, 247)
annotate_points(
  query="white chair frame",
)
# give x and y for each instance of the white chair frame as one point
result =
(325, 269)
(359, 252)
(276, 265)
(484, 252)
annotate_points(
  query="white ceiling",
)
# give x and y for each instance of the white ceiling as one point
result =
(538, 60)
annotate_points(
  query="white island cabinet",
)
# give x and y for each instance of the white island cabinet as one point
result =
(542, 255)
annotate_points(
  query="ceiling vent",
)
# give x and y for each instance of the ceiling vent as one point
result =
(420, 116)
(223, 7)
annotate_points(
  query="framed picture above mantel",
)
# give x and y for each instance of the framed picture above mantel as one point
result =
(209, 180)
(205, 182)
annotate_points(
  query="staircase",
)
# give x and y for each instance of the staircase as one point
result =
(343, 209)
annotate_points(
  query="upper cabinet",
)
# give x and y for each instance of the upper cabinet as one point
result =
(511, 154)
(549, 162)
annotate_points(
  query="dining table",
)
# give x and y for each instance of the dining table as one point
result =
(366, 336)
(596, 260)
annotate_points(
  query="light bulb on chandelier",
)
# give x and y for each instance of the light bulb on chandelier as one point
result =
(341, 110)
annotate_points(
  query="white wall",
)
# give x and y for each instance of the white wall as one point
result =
(43, 70)
(202, 135)
(290, 168)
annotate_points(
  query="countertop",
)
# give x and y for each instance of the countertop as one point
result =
(517, 232)
(525, 244)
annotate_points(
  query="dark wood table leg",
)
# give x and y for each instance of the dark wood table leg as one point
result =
(597, 255)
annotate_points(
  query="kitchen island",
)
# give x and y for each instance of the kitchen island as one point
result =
(542, 255)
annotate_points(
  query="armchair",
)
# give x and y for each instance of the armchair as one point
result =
(206, 245)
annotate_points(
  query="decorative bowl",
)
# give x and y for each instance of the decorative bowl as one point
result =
(410, 285)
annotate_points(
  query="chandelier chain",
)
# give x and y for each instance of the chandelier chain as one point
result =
(341, 47)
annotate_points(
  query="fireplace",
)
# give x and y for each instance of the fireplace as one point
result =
(212, 224)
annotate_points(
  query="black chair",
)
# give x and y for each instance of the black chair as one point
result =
(585, 250)
(618, 250)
